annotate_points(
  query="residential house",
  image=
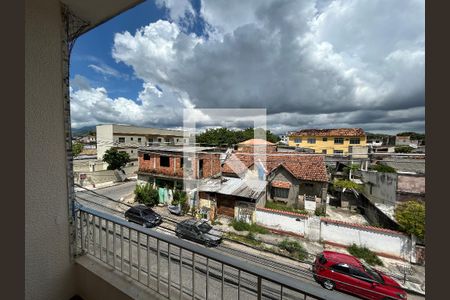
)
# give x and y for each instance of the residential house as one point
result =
(292, 179)
(328, 141)
(174, 167)
(256, 145)
(129, 138)
(232, 197)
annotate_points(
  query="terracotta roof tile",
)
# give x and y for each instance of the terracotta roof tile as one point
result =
(256, 142)
(330, 132)
(281, 184)
(305, 167)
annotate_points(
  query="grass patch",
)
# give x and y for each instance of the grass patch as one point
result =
(284, 207)
(364, 253)
(294, 248)
(252, 228)
(249, 239)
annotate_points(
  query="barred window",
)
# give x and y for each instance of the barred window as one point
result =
(280, 192)
(338, 140)
(354, 141)
(311, 141)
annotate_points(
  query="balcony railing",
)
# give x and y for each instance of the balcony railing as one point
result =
(178, 269)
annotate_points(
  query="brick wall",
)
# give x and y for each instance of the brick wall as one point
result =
(211, 165)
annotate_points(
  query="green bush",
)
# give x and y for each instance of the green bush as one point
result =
(320, 212)
(403, 149)
(382, 168)
(411, 217)
(180, 197)
(284, 207)
(253, 228)
(347, 184)
(294, 248)
(146, 194)
(362, 252)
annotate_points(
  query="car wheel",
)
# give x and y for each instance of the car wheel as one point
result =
(328, 284)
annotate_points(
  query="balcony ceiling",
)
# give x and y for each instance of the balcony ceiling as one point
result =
(99, 11)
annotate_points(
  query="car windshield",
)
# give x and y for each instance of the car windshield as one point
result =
(204, 227)
(372, 272)
(147, 212)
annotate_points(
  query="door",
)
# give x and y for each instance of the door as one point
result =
(225, 207)
(343, 279)
(364, 284)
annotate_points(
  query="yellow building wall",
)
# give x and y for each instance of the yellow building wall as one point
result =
(328, 145)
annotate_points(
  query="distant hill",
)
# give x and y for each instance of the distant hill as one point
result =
(82, 131)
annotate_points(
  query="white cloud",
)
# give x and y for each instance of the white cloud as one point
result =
(310, 63)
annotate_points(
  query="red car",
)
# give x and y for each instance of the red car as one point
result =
(344, 272)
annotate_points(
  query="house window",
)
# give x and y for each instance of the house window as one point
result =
(200, 168)
(159, 140)
(354, 141)
(338, 140)
(280, 192)
(311, 141)
(325, 139)
(297, 140)
(121, 140)
(324, 151)
(181, 162)
(338, 152)
(131, 151)
(139, 140)
(164, 161)
(146, 156)
(131, 138)
(308, 184)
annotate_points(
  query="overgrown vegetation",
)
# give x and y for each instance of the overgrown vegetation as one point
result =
(320, 211)
(347, 184)
(294, 248)
(382, 168)
(284, 207)
(410, 216)
(252, 228)
(249, 239)
(146, 194)
(414, 135)
(364, 253)
(403, 149)
(228, 137)
(116, 159)
(215, 222)
(180, 197)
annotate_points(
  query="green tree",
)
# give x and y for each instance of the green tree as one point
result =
(146, 194)
(228, 137)
(403, 149)
(410, 216)
(115, 159)
(77, 148)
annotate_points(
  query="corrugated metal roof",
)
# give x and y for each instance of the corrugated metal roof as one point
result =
(406, 165)
(249, 188)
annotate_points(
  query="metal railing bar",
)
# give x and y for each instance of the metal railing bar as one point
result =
(293, 284)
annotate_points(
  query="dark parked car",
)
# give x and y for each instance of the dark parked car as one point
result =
(347, 273)
(143, 215)
(198, 231)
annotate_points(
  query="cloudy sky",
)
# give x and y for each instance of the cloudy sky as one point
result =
(309, 63)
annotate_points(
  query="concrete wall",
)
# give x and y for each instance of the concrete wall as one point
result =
(383, 241)
(104, 134)
(48, 269)
(411, 184)
(384, 186)
(281, 221)
(378, 240)
(102, 176)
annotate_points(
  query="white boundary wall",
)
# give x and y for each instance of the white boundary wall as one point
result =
(382, 241)
(281, 221)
